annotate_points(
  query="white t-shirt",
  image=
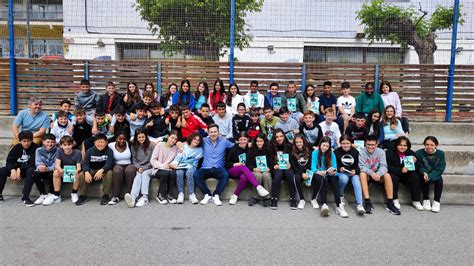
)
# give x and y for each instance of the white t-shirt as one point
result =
(122, 158)
(331, 131)
(347, 103)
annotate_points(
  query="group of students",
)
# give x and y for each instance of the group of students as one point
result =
(315, 142)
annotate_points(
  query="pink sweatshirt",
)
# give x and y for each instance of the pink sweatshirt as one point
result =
(162, 155)
(392, 98)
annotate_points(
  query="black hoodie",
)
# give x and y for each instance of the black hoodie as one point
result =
(21, 158)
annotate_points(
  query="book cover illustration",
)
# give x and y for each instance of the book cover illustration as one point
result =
(69, 173)
(290, 136)
(315, 107)
(277, 103)
(261, 162)
(291, 102)
(253, 99)
(283, 160)
(308, 181)
(360, 144)
(409, 163)
(242, 158)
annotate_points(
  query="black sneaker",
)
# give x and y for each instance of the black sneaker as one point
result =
(1, 197)
(273, 203)
(266, 202)
(170, 199)
(368, 207)
(293, 204)
(392, 209)
(27, 202)
(252, 201)
(105, 200)
(81, 200)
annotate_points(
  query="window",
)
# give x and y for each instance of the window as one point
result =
(46, 47)
(137, 51)
(375, 55)
(5, 48)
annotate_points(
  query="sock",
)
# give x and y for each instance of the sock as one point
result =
(74, 191)
(367, 200)
(389, 201)
(57, 193)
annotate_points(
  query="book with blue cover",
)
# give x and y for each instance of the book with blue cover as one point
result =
(290, 136)
(291, 103)
(409, 163)
(283, 160)
(253, 99)
(69, 173)
(261, 162)
(308, 181)
(276, 102)
(315, 107)
(242, 158)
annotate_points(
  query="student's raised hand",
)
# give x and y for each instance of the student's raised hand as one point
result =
(133, 116)
(88, 177)
(95, 131)
(98, 175)
(426, 177)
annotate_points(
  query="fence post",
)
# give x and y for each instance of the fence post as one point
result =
(158, 78)
(449, 98)
(86, 70)
(11, 35)
(231, 41)
(376, 78)
(303, 77)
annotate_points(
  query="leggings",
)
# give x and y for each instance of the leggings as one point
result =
(297, 183)
(141, 183)
(167, 180)
(245, 176)
(412, 179)
(438, 189)
(321, 188)
(278, 175)
(189, 178)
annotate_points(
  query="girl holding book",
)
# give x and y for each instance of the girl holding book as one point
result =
(401, 167)
(261, 163)
(235, 163)
(324, 166)
(300, 159)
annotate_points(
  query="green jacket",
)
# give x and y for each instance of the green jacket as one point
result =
(366, 103)
(432, 164)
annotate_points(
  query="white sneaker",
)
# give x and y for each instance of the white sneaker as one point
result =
(51, 199)
(40, 200)
(301, 204)
(396, 203)
(233, 199)
(142, 201)
(436, 206)
(217, 200)
(180, 199)
(193, 199)
(129, 200)
(426, 205)
(360, 209)
(262, 192)
(315, 204)
(114, 200)
(341, 211)
(325, 210)
(74, 197)
(417, 205)
(206, 199)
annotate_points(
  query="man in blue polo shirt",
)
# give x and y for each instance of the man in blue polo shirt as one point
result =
(32, 119)
(213, 165)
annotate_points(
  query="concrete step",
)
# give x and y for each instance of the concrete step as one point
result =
(447, 133)
(458, 189)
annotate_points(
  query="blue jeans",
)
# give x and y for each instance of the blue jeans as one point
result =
(344, 179)
(180, 173)
(202, 174)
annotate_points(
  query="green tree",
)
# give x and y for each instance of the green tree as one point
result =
(197, 27)
(406, 26)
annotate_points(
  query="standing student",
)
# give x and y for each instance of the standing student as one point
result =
(163, 154)
(224, 121)
(390, 97)
(32, 119)
(166, 100)
(142, 150)
(396, 160)
(311, 130)
(257, 155)
(346, 105)
(201, 94)
(184, 96)
(185, 163)
(233, 98)
(347, 158)
(392, 128)
(217, 94)
(87, 100)
(295, 102)
(235, 163)
(132, 96)
(324, 168)
(329, 128)
(373, 166)
(213, 165)
(253, 99)
(326, 100)
(300, 159)
(240, 122)
(431, 165)
(368, 100)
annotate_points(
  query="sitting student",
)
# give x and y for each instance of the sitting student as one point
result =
(279, 148)
(331, 129)
(253, 98)
(61, 127)
(136, 120)
(97, 166)
(184, 96)
(161, 158)
(173, 119)
(81, 129)
(326, 100)
(45, 157)
(185, 163)
(32, 119)
(201, 95)
(311, 130)
(240, 122)
(87, 99)
(348, 166)
(146, 101)
(233, 98)
(66, 156)
(286, 123)
(204, 114)
(101, 124)
(261, 163)
(213, 164)
(109, 100)
(300, 159)
(274, 99)
(149, 87)
(121, 123)
(64, 105)
(20, 162)
(324, 168)
(235, 162)
(399, 171)
(190, 123)
(268, 123)
(357, 130)
(390, 97)
(254, 127)
(431, 165)
(373, 166)
(392, 128)
(132, 96)
(295, 102)
(123, 167)
(217, 94)
(166, 100)
(374, 124)
(346, 105)
(223, 121)
(142, 150)
(312, 100)
(155, 125)
(368, 100)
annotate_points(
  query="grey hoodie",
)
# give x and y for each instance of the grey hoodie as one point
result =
(88, 100)
(141, 158)
(373, 162)
(290, 125)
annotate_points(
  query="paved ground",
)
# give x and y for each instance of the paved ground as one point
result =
(186, 234)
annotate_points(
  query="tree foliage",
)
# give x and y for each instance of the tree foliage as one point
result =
(406, 26)
(199, 27)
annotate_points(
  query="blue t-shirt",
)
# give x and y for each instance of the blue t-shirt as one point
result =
(214, 154)
(327, 102)
(26, 121)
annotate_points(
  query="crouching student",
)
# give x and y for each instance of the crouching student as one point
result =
(373, 166)
(68, 157)
(142, 149)
(97, 166)
(235, 163)
(261, 163)
(20, 161)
